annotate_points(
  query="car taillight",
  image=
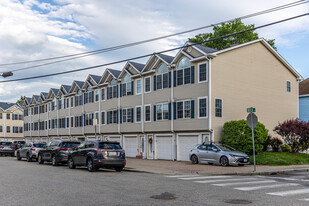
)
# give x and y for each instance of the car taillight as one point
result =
(32, 149)
(64, 149)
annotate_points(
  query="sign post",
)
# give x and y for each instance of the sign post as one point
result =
(252, 121)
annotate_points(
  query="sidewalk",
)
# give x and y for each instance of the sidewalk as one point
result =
(181, 167)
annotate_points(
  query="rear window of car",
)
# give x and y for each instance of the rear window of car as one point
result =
(38, 145)
(6, 143)
(69, 144)
(109, 146)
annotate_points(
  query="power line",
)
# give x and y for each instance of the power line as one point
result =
(85, 54)
(147, 55)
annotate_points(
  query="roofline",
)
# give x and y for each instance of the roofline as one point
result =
(272, 50)
(133, 67)
(303, 95)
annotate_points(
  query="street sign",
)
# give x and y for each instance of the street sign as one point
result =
(95, 122)
(251, 109)
(252, 120)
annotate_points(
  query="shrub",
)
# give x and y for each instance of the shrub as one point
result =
(266, 143)
(285, 148)
(275, 143)
(238, 135)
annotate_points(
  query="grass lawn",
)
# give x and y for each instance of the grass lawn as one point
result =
(280, 158)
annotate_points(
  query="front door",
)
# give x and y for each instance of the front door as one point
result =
(142, 146)
(150, 146)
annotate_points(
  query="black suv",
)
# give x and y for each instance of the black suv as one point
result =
(95, 154)
(56, 151)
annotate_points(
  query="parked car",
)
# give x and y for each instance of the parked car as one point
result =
(18, 144)
(29, 151)
(56, 151)
(218, 154)
(6, 148)
(98, 154)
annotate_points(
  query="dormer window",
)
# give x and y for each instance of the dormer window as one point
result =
(88, 95)
(112, 89)
(78, 98)
(126, 87)
(184, 72)
(162, 79)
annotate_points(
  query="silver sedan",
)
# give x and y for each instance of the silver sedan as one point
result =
(217, 154)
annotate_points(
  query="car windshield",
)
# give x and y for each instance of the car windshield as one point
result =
(39, 145)
(70, 144)
(225, 147)
(6, 143)
(109, 146)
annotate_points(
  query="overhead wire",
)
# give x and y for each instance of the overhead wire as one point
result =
(85, 54)
(147, 55)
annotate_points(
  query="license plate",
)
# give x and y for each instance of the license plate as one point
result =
(112, 153)
(245, 160)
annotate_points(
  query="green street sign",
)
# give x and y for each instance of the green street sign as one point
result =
(251, 109)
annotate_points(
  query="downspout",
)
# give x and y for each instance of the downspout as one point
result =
(4, 127)
(70, 123)
(209, 101)
(143, 102)
(172, 114)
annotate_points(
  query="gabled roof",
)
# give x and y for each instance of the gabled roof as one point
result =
(95, 78)
(203, 49)
(304, 87)
(27, 100)
(114, 72)
(44, 94)
(138, 66)
(168, 59)
(66, 87)
(55, 91)
(79, 84)
(34, 99)
(6, 105)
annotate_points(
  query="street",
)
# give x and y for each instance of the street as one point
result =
(24, 183)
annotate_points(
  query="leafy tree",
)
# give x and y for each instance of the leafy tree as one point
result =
(238, 135)
(295, 134)
(21, 100)
(228, 28)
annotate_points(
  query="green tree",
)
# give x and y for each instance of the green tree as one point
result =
(238, 135)
(228, 28)
(21, 100)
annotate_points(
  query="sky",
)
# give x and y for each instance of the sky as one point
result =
(38, 29)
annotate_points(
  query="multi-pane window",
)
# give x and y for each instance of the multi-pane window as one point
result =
(288, 86)
(127, 115)
(218, 107)
(183, 109)
(72, 102)
(147, 84)
(162, 111)
(88, 96)
(147, 113)
(8, 129)
(8, 116)
(112, 90)
(97, 118)
(1, 116)
(202, 107)
(138, 86)
(162, 77)
(202, 72)
(68, 122)
(36, 110)
(1, 129)
(103, 117)
(103, 94)
(88, 119)
(78, 121)
(183, 72)
(138, 114)
(72, 122)
(97, 95)
(79, 99)
(126, 86)
(112, 117)
(68, 102)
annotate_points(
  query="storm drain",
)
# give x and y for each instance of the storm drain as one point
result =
(164, 196)
(238, 202)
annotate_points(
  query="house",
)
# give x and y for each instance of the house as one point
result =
(163, 108)
(11, 121)
(304, 100)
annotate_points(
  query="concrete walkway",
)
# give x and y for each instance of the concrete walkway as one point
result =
(180, 167)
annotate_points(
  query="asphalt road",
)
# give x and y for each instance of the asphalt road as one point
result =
(23, 183)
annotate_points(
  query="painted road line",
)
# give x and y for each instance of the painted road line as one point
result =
(283, 178)
(290, 192)
(176, 176)
(229, 180)
(265, 187)
(204, 177)
(245, 183)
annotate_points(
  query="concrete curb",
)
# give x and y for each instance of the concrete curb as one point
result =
(274, 172)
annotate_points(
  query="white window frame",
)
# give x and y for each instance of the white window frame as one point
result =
(162, 111)
(198, 107)
(95, 95)
(72, 121)
(95, 114)
(145, 112)
(136, 86)
(198, 72)
(104, 117)
(46, 125)
(183, 109)
(221, 107)
(104, 94)
(139, 106)
(66, 118)
(287, 81)
(145, 84)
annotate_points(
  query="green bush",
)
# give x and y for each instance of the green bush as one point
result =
(285, 148)
(238, 135)
(276, 143)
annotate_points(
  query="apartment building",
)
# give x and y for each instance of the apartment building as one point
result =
(163, 108)
(11, 121)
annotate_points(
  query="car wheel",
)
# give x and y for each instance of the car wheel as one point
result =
(194, 159)
(118, 169)
(90, 165)
(40, 159)
(241, 165)
(224, 161)
(29, 159)
(71, 163)
(18, 156)
(54, 161)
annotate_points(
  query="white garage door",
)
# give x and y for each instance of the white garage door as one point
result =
(165, 148)
(131, 146)
(185, 145)
(114, 139)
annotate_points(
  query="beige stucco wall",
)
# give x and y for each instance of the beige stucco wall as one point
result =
(252, 76)
(4, 122)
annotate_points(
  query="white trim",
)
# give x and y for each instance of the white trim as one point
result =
(135, 113)
(198, 107)
(99, 122)
(145, 84)
(140, 79)
(154, 65)
(221, 107)
(303, 95)
(95, 95)
(105, 90)
(145, 112)
(183, 109)
(162, 103)
(105, 116)
(198, 72)
(66, 118)
(286, 86)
